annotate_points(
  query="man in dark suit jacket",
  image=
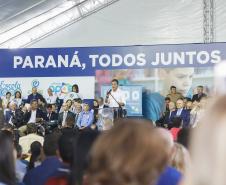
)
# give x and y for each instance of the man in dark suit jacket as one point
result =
(34, 115)
(14, 116)
(197, 97)
(35, 95)
(182, 113)
(64, 115)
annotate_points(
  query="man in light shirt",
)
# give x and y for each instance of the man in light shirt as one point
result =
(115, 98)
(51, 98)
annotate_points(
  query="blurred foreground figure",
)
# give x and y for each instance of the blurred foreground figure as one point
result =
(131, 153)
(208, 149)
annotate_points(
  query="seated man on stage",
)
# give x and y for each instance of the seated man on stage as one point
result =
(115, 99)
(86, 117)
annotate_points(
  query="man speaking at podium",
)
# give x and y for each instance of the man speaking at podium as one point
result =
(115, 99)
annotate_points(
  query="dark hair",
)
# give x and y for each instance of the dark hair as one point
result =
(49, 106)
(200, 86)
(76, 88)
(8, 93)
(167, 98)
(79, 100)
(172, 87)
(7, 167)
(81, 151)
(183, 137)
(35, 150)
(16, 93)
(50, 144)
(33, 100)
(70, 121)
(31, 128)
(18, 150)
(65, 144)
(177, 122)
(187, 98)
(115, 80)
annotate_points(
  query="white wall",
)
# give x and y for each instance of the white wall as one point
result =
(140, 22)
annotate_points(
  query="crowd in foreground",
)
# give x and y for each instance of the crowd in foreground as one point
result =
(127, 151)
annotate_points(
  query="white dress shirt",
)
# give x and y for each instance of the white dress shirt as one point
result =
(33, 117)
(51, 99)
(119, 97)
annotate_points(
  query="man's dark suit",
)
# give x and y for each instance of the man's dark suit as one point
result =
(197, 97)
(52, 116)
(17, 117)
(60, 117)
(185, 116)
(36, 97)
(39, 114)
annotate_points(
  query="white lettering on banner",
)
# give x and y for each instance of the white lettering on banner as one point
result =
(50, 61)
(183, 58)
(115, 60)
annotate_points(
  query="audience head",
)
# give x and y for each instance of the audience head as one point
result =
(50, 144)
(132, 152)
(18, 151)
(172, 106)
(180, 104)
(173, 89)
(50, 91)
(180, 158)
(184, 136)
(35, 150)
(49, 108)
(34, 104)
(69, 122)
(34, 90)
(200, 89)
(86, 106)
(208, 148)
(75, 88)
(167, 100)
(100, 100)
(12, 106)
(17, 94)
(177, 122)
(7, 160)
(81, 155)
(69, 103)
(65, 144)
(65, 106)
(78, 108)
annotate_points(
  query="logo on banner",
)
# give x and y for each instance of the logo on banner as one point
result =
(61, 89)
(9, 87)
(35, 83)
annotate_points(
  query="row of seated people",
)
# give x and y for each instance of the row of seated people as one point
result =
(189, 112)
(80, 112)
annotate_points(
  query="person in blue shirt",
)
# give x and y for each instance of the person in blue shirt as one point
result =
(86, 117)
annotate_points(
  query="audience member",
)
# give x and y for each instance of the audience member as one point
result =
(40, 174)
(86, 117)
(174, 95)
(7, 160)
(182, 113)
(64, 115)
(66, 146)
(208, 147)
(197, 97)
(27, 140)
(35, 151)
(170, 175)
(35, 96)
(21, 165)
(177, 124)
(132, 152)
(6, 100)
(180, 158)
(51, 98)
(18, 98)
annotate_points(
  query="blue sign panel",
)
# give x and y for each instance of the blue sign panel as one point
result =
(83, 61)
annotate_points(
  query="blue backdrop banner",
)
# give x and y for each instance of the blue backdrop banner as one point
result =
(83, 61)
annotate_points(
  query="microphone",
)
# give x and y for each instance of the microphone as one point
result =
(109, 92)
